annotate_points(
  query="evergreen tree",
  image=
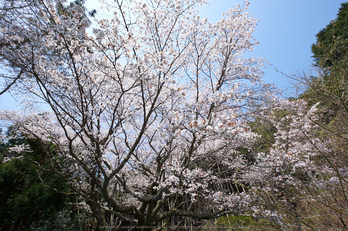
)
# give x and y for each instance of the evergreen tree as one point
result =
(28, 201)
(332, 41)
(330, 53)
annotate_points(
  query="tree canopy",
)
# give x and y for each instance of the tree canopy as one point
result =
(27, 203)
(331, 44)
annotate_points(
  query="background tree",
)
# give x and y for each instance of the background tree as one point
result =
(330, 56)
(331, 44)
(31, 198)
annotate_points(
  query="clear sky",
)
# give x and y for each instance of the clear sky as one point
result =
(286, 31)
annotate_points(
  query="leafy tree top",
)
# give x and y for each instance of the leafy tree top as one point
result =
(332, 40)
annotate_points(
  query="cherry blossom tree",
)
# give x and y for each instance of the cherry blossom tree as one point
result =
(148, 110)
(279, 176)
(300, 181)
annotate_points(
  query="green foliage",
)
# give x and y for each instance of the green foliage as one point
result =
(266, 131)
(239, 223)
(63, 220)
(330, 52)
(25, 201)
(332, 41)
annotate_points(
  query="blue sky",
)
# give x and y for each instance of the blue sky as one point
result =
(286, 31)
